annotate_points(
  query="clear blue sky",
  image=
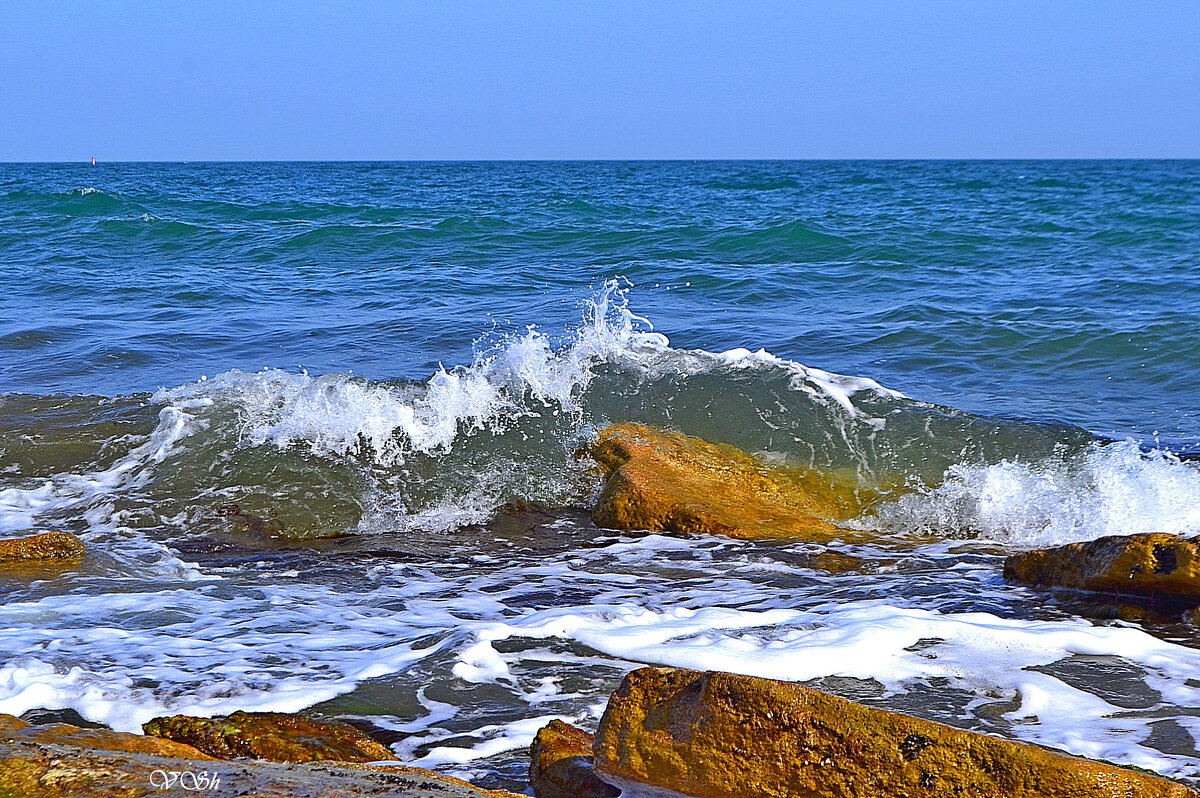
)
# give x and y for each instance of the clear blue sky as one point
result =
(214, 80)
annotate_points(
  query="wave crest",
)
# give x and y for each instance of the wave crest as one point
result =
(1117, 489)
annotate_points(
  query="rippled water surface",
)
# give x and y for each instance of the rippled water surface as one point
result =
(319, 424)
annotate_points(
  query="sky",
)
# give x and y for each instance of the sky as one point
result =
(517, 79)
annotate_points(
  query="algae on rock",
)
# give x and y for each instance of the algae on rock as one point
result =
(17, 730)
(274, 736)
(43, 546)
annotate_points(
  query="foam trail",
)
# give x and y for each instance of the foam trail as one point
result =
(497, 739)
(684, 602)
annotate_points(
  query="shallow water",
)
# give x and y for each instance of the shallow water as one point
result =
(1038, 314)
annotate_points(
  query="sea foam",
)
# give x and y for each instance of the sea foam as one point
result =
(267, 640)
(1115, 489)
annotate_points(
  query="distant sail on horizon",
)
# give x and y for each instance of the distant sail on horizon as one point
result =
(93, 160)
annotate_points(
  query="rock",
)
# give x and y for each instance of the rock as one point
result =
(53, 770)
(1156, 565)
(561, 764)
(836, 562)
(663, 481)
(45, 546)
(717, 735)
(17, 730)
(274, 736)
(267, 525)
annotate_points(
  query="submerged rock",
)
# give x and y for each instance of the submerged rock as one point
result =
(836, 562)
(267, 525)
(274, 736)
(1156, 565)
(31, 769)
(663, 481)
(45, 546)
(561, 764)
(718, 735)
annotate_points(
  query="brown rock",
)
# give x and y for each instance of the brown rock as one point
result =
(561, 764)
(52, 770)
(17, 730)
(658, 480)
(836, 562)
(273, 736)
(45, 546)
(717, 735)
(1149, 564)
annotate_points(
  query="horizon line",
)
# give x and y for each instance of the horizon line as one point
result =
(991, 159)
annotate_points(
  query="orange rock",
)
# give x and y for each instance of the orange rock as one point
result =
(718, 735)
(45, 546)
(53, 770)
(561, 764)
(658, 480)
(1148, 564)
(273, 736)
(15, 729)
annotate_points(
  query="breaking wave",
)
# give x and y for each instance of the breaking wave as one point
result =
(339, 453)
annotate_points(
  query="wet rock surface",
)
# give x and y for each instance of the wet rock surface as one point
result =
(1154, 565)
(718, 735)
(273, 736)
(43, 546)
(561, 764)
(658, 480)
(17, 730)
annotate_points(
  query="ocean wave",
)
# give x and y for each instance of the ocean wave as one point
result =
(1114, 489)
(66, 499)
(343, 415)
(454, 449)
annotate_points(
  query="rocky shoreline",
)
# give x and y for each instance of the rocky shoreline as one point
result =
(665, 731)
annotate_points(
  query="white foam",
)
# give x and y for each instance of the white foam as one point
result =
(496, 739)
(824, 386)
(1110, 490)
(336, 414)
(341, 415)
(259, 643)
(206, 652)
(895, 646)
(481, 663)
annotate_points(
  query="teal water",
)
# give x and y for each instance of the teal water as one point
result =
(318, 425)
(1050, 290)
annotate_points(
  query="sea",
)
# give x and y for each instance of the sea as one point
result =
(323, 428)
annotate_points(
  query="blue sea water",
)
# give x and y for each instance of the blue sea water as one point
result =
(319, 424)
(1044, 289)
